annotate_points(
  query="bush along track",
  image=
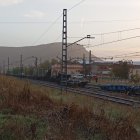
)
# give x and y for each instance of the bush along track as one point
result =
(28, 113)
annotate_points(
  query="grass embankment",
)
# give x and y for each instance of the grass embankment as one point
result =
(30, 112)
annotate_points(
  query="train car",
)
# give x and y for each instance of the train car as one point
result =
(61, 79)
(134, 90)
(129, 90)
(75, 82)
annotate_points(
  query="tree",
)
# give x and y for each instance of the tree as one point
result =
(54, 61)
(16, 70)
(45, 65)
(135, 78)
(121, 69)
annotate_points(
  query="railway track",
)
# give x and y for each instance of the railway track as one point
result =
(92, 93)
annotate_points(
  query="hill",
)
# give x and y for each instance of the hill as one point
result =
(45, 52)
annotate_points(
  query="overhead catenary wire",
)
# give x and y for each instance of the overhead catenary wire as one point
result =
(28, 22)
(119, 31)
(133, 54)
(105, 43)
(91, 34)
(106, 33)
(77, 4)
(18, 62)
(47, 30)
(104, 21)
(57, 38)
(74, 6)
(72, 22)
(126, 56)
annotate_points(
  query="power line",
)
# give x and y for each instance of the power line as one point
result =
(73, 22)
(27, 58)
(123, 55)
(74, 37)
(132, 56)
(119, 31)
(57, 38)
(28, 22)
(77, 4)
(127, 54)
(105, 43)
(55, 22)
(104, 21)
(105, 33)
(47, 30)
(14, 63)
(70, 10)
(23, 17)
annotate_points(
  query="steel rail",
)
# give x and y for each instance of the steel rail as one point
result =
(97, 94)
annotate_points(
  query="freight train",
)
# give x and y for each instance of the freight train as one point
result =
(75, 81)
(45, 75)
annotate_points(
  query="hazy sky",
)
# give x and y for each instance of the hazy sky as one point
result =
(29, 22)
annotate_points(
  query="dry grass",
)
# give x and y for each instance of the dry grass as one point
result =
(33, 112)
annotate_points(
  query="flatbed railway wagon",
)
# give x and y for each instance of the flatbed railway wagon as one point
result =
(130, 90)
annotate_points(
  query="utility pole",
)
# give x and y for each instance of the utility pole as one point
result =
(8, 65)
(36, 62)
(90, 65)
(89, 61)
(40, 61)
(21, 66)
(64, 50)
(40, 69)
(0, 69)
(36, 66)
(3, 67)
(84, 64)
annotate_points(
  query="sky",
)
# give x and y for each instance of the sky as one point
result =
(34, 22)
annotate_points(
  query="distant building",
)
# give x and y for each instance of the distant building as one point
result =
(96, 68)
(71, 69)
(135, 70)
(100, 68)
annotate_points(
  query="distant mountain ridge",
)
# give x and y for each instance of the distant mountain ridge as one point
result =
(45, 52)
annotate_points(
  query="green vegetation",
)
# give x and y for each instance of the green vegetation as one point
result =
(30, 70)
(121, 69)
(30, 112)
(135, 78)
(21, 127)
